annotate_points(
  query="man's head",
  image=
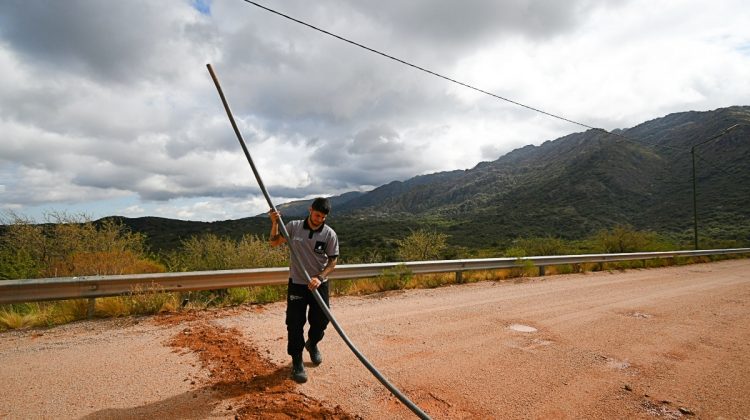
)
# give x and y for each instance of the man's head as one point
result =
(322, 205)
(319, 209)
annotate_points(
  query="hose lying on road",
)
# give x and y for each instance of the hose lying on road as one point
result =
(413, 407)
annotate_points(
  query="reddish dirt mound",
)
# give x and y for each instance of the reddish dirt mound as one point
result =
(250, 385)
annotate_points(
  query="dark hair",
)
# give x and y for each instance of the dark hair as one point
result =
(322, 205)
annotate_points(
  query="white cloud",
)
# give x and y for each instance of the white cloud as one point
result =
(109, 107)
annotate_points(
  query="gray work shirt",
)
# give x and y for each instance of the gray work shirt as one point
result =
(313, 247)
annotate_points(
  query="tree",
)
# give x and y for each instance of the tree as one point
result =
(623, 238)
(421, 245)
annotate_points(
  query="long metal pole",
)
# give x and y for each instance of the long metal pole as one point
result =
(413, 407)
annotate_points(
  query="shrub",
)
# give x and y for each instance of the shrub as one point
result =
(71, 246)
(525, 267)
(541, 246)
(434, 280)
(394, 278)
(65, 311)
(267, 294)
(622, 239)
(13, 320)
(22, 248)
(103, 263)
(238, 295)
(341, 287)
(149, 300)
(113, 307)
(421, 245)
(211, 252)
(515, 252)
(564, 269)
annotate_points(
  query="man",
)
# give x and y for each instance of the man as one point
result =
(317, 247)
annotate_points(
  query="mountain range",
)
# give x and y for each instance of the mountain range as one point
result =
(569, 188)
(641, 176)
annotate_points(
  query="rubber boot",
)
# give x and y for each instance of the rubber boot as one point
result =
(298, 370)
(315, 355)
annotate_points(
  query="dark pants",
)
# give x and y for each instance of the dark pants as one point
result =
(298, 299)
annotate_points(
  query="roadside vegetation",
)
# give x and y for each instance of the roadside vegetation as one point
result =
(67, 246)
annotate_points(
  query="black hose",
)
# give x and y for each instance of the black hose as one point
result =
(413, 407)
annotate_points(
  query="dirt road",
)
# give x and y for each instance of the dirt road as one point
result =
(659, 343)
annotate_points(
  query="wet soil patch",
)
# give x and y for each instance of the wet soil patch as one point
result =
(244, 382)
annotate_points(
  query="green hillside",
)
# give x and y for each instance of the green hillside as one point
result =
(577, 184)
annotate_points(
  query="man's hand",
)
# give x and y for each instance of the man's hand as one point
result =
(315, 282)
(276, 238)
(274, 215)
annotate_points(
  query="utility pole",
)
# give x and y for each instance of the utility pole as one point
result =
(695, 204)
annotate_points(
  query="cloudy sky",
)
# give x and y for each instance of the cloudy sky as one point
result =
(106, 107)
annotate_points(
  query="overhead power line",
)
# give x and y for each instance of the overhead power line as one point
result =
(422, 68)
(452, 80)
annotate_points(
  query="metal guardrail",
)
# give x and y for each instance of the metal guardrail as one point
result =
(89, 287)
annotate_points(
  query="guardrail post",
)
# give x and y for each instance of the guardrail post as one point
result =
(541, 271)
(91, 308)
(459, 277)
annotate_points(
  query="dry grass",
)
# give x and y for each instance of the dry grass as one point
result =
(14, 320)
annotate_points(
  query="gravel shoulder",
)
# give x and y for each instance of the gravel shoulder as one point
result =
(658, 343)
